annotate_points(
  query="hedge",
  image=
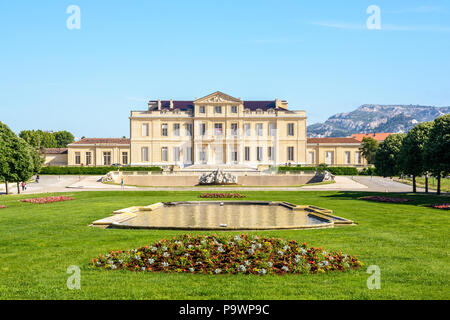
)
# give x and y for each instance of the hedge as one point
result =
(55, 170)
(337, 171)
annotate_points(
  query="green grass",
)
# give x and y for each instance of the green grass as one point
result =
(432, 183)
(409, 242)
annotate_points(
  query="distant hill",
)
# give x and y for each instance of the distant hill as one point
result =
(370, 118)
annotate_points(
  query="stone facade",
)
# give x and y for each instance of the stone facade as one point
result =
(217, 129)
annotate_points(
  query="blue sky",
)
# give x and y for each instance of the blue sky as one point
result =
(318, 55)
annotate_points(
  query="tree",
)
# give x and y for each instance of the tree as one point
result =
(411, 158)
(63, 138)
(437, 149)
(18, 160)
(6, 139)
(22, 163)
(39, 139)
(368, 149)
(387, 156)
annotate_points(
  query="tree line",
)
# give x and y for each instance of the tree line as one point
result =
(43, 139)
(423, 151)
(19, 161)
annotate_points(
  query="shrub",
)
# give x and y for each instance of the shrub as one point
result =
(229, 255)
(221, 195)
(368, 172)
(337, 171)
(54, 170)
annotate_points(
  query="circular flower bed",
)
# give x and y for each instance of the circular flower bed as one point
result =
(232, 255)
(47, 199)
(384, 199)
(221, 195)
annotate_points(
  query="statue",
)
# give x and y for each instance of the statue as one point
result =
(217, 177)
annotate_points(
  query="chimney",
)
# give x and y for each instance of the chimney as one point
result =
(159, 104)
(171, 104)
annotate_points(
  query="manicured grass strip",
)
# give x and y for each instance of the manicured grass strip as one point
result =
(408, 242)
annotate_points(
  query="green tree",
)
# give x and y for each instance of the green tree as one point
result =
(437, 149)
(368, 149)
(6, 141)
(22, 162)
(411, 158)
(63, 138)
(387, 156)
(39, 139)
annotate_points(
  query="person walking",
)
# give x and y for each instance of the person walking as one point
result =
(23, 186)
(37, 179)
(122, 185)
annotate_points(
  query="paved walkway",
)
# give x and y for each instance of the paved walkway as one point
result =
(93, 183)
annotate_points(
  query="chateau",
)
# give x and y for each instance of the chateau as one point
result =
(216, 130)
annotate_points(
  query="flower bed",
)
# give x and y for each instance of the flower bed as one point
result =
(384, 199)
(230, 255)
(47, 199)
(221, 195)
(3, 207)
(443, 206)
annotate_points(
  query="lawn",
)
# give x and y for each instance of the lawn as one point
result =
(409, 243)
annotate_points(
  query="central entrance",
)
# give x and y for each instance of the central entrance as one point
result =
(218, 155)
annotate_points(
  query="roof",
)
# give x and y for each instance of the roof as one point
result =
(96, 141)
(55, 150)
(333, 140)
(380, 136)
(189, 105)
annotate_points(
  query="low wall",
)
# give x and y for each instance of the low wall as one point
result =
(192, 180)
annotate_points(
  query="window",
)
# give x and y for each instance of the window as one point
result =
(247, 153)
(259, 129)
(164, 154)
(347, 157)
(88, 158)
(77, 158)
(124, 157)
(272, 130)
(203, 129)
(290, 153)
(358, 157)
(176, 129)
(218, 109)
(107, 158)
(145, 131)
(259, 151)
(164, 130)
(144, 154)
(290, 129)
(234, 156)
(311, 157)
(218, 129)
(247, 129)
(329, 157)
(188, 155)
(188, 128)
(233, 109)
(234, 129)
(201, 109)
(270, 154)
(176, 153)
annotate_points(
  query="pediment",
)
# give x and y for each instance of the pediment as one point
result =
(218, 97)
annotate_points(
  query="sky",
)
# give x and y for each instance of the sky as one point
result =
(318, 55)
